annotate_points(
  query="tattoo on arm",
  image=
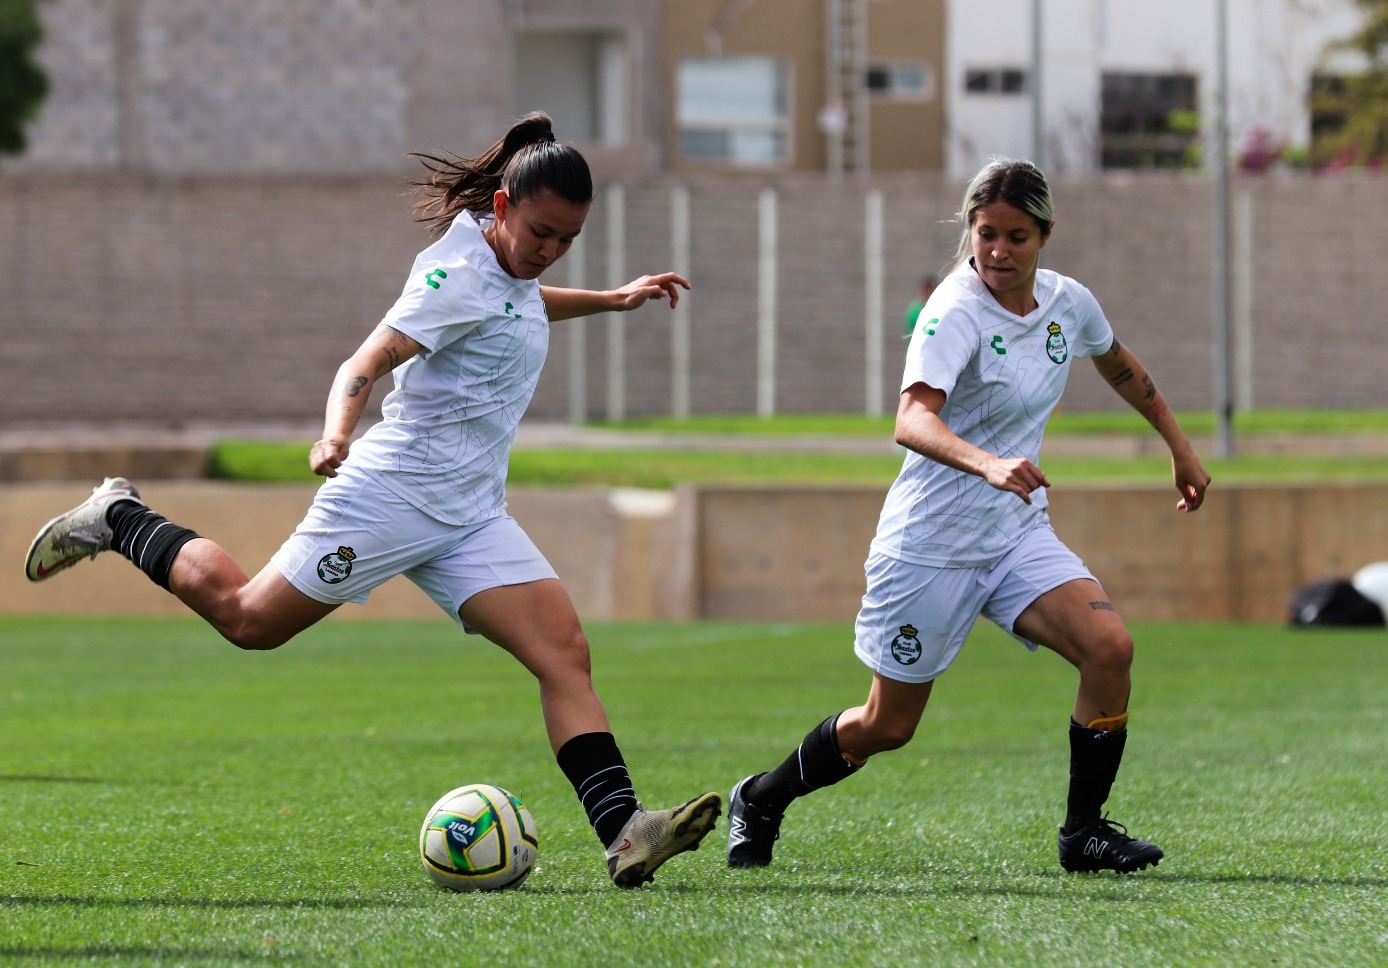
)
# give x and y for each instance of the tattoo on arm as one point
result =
(391, 350)
(1116, 348)
(1101, 606)
(353, 386)
(1149, 388)
(1122, 376)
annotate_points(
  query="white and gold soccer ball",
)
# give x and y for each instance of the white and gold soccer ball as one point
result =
(478, 837)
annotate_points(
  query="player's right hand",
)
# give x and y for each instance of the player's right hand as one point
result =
(327, 455)
(1015, 474)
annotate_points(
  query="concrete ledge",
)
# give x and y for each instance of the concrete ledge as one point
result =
(766, 553)
(612, 548)
(78, 462)
(763, 553)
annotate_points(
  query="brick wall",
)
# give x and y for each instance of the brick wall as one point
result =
(175, 302)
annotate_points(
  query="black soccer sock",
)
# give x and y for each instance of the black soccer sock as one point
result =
(816, 763)
(1094, 758)
(149, 540)
(599, 776)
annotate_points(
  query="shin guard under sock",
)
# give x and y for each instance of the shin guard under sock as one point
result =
(149, 540)
(1094, 758)
(599, 776)
(816, 763)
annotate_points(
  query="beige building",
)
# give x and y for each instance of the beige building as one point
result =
(785, 85)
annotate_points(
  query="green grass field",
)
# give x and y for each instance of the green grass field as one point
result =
(170, 800)
(665, 466)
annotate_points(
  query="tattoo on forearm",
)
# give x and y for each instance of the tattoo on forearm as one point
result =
(1155, 411)
(1149, 388)
(1122, 376)
(1101, 606)
(353, 386)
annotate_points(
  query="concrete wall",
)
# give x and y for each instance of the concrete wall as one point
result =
(780, 554)
(613, 548)
(769, 553)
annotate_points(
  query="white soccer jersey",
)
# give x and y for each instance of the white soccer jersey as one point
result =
(444, 439)
(1002, 375)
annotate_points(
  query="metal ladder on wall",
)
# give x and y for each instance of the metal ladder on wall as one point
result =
(846, 121)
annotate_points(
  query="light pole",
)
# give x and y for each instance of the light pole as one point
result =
(1223, 342)
(1037, 158)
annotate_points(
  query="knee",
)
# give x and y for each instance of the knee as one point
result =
(887, 733)
(570, 657)
(1113, 651)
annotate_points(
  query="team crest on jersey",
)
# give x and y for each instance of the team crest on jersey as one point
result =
(1055, 344)
(335, 567)
(906, 648)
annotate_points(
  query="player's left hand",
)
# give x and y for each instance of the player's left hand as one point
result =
(1191, 480)
(666, 285)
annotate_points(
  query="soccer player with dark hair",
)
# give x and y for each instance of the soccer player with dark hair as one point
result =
(423, 492)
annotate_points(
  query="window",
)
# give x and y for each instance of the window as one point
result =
(733, 111)
(902, 81)
(995, 80)
(579, 79)
(1149, 121)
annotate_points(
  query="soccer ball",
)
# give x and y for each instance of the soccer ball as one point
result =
(478, 838)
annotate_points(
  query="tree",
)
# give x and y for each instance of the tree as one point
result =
(22, 82)
(1349, 112)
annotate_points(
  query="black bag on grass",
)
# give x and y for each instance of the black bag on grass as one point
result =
(1334, 601)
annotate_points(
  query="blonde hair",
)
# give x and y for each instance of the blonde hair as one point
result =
(1015, 181)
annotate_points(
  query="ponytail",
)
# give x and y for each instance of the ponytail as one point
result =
(525, 162)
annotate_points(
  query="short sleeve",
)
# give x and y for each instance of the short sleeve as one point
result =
(439, 304)
(1095, 333)
(940, 348)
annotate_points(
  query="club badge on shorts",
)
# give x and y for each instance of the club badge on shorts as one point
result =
(1055, 344)
(906, 648)
(335, 567)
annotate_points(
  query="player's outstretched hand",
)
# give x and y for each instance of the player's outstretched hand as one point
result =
(666, 285)
(327, 456)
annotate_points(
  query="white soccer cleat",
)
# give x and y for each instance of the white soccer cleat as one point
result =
(79, 533)
(651, 837)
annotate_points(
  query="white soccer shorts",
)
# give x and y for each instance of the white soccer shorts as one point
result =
(359, 533)
(914, 618)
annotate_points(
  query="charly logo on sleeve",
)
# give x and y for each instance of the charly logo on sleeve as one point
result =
(906, 648)
(433, 276)
(1055, 344)
(335, 567)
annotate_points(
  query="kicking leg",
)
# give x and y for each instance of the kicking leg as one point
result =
(536, 623)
